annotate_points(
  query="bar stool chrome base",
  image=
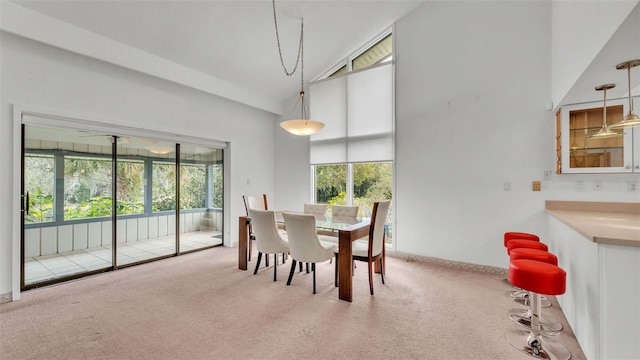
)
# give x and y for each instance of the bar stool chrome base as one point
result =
(533, 345)
(548, 326)
(522, 298)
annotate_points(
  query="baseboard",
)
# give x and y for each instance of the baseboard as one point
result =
(456, 264)
(5, 298)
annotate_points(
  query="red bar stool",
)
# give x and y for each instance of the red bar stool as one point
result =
(520, 296)
(520, 243)
(508, 236)
(538, 278)
(523, 318)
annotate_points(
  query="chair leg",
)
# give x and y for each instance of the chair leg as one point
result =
(382, 270)
(336, 272)
(370, 263)
(313, 269)
(293, 269)
(275, 267)
(266, 261)
(250, 248)
(301, 266)
(307, 267)
(258, 263)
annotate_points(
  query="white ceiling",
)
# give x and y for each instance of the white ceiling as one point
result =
(235, 41)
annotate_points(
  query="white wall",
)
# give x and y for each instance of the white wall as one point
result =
(472, 83)
(293, 176)
(37, 75)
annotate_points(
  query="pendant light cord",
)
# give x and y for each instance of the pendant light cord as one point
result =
(300, 46)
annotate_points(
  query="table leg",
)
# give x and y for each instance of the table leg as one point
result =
(345, 291)
(243, 242)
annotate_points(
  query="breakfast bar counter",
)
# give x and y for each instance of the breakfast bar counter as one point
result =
(606, 223)
(598, 245)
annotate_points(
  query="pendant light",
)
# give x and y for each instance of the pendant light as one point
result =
(630, 119)
(302, 126)
(605, 132)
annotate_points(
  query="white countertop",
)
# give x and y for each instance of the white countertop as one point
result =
(606, 223)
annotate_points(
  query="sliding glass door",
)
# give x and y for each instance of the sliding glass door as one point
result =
(95, 202)
(200, 197)
(146, 208)
(67, 203)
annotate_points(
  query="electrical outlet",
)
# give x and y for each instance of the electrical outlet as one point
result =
(597, 185)
(579, 185)
(547, 175)
(632, 186)
(507, 186)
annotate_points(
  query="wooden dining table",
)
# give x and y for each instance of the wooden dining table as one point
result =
(346, 233)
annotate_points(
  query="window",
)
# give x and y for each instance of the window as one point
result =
(358, 136)
(164, 187)
(370, 182)
(331, 184)
(39, 183)
(87, 187)
(380, 52)
(193, 186)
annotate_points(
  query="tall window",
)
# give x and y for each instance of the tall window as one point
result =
(352, 156)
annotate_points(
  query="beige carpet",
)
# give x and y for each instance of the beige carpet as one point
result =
(200, 306)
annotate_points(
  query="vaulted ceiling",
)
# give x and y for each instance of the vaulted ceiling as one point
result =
(235, 41)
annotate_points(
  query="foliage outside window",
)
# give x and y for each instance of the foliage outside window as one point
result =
(217, 199)
(164, 187)
(87, 190)
(193, 188)
(331, 184)
(371, 182)
(39, 183)
(88, 187)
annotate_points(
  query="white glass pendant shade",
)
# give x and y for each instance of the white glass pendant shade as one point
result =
(301, 127)
(630, 119)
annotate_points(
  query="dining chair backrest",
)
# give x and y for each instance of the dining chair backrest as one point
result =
(344, 213)
(376, 231)
(303, 239)
(318, 210)
(268, 239)
(258, 202)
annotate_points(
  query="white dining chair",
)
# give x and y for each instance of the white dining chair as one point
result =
(344, 214)
(318, 210)
(257, 202)
(304, 244)
(372, 250)
(268, 238)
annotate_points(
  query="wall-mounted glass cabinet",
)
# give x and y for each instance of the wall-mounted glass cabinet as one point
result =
(579, 152)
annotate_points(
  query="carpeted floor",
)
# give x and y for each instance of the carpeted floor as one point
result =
(200, 306)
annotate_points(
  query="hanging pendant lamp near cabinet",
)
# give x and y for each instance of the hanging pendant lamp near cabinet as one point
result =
(302, 126)
(630, 119)
(604, 132)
